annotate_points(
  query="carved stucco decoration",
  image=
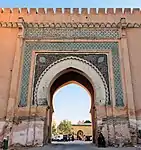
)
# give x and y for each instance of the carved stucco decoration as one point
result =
(90, 71)
(9, 24)
(121, 24)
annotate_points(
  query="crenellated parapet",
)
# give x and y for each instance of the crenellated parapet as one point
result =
(76, 11)
(75, 17)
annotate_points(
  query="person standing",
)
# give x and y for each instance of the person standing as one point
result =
(101, 140)
(5, 143)
(72, 137)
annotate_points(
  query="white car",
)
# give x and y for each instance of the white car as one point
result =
(59, 137)
(54, 138)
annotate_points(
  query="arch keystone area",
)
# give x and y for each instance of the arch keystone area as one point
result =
(87, 69)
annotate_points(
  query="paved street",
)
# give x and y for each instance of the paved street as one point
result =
(77, 145)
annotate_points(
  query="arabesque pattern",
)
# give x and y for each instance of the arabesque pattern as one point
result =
(83, 58)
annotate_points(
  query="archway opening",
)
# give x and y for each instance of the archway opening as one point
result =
(80, 135)
(71, 105)
(76, 77)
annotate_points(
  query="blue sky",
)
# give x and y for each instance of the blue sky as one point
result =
(70, 3)
(71, 102)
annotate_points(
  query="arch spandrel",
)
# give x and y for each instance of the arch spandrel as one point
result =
(86, 69)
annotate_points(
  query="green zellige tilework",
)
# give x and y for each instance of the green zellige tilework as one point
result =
(71, 33)
(99, 46)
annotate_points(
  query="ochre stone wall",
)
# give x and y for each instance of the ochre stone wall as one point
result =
(8, 38)
(134, 46)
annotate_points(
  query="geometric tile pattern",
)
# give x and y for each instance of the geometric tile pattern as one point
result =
(71, 33)
(66, 46)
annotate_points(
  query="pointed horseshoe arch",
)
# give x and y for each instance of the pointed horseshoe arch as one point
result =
(87, 69)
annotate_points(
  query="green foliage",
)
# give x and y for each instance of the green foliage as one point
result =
(65, 127)
(54, 128)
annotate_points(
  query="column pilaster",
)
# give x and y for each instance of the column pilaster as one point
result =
(15, 73)
(128, 85)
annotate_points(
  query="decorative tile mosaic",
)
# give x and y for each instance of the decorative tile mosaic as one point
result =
(44, 60)
(99, 46)
(71, 33)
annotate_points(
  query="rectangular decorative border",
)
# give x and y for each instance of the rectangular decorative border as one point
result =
(68, 46)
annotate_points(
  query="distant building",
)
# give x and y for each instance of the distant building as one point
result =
(82, 128)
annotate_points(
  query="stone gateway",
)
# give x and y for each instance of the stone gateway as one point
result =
(42, 50)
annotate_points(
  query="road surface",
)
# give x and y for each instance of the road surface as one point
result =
(77, 145)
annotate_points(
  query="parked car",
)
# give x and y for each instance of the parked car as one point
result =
(54, 138)
(88, 138)
(60, 137)
(65, 138)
